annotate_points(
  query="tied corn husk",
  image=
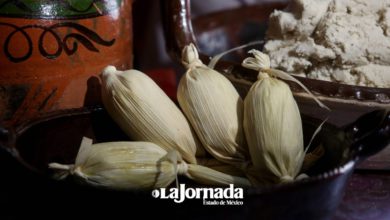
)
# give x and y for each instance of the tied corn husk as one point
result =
(137, 165)
(145, 112)
(214, 109)
(272, 124)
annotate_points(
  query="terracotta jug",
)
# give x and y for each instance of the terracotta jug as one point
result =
(53, 51)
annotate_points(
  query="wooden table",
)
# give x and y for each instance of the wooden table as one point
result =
(368, 192)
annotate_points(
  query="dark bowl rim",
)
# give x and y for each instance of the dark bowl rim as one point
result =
(344, 169)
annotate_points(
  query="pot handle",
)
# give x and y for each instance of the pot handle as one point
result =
(369, 134)
(177, 24)
(6, 137)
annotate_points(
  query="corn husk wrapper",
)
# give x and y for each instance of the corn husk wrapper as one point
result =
(145, 113)
(214, 109)
(273, 125)
(137, 165)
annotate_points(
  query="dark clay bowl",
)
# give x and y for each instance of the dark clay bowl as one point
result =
(220, 31)
(29, 148)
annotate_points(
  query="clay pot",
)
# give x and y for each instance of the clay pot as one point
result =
(53, 51)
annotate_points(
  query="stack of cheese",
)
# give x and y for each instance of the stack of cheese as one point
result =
(345, 41)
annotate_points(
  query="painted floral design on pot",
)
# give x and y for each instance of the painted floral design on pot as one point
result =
(51, 53)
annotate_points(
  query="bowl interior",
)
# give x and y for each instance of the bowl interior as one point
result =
(60, 137)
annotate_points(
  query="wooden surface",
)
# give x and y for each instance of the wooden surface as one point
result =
(368, 192)
(381, 161)
(367, 197)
